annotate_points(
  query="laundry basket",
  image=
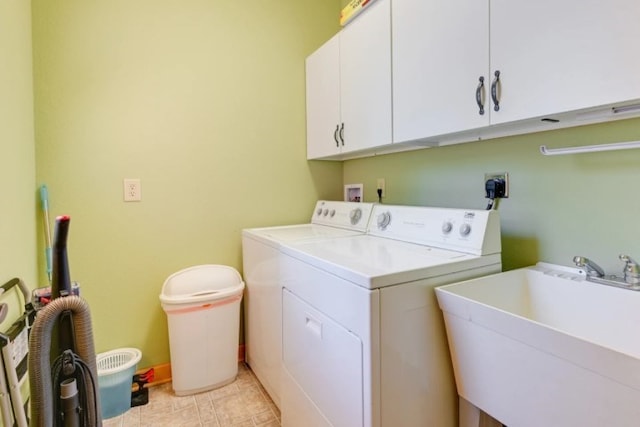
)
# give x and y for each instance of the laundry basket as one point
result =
(115, 377)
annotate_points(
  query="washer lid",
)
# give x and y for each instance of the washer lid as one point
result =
(275, 236)
(374, 262)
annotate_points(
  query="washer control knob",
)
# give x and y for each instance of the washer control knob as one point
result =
(384, 219)
(319, 211)
(465, 229)
(325, 212)
(355, 216)
(447, 227)
(332, 213)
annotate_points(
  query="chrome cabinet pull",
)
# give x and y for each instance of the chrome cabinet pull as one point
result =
(494, 91)
(479, 93)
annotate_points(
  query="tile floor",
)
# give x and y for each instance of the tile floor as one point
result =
(243, 403)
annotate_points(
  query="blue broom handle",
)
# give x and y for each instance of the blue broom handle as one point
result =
(44, 199)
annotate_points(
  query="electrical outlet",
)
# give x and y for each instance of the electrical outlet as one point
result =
(132, 190)
(381, 187)
(500, 175)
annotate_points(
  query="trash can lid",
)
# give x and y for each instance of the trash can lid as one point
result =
(201, 280)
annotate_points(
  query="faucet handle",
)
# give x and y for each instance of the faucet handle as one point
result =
(592, 269)
(631, 270)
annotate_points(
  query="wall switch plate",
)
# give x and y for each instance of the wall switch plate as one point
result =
(132, 190)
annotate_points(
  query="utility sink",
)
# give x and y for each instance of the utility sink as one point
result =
(542, 346)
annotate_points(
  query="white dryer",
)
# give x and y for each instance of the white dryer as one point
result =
(262, 274)
(363, 338)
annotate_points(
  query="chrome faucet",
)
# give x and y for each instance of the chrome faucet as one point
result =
(631, 273)
(592, 269)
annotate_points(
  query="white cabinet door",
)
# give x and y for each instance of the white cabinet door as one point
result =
(349, 87)
(323, 100)
(365, 78)
(557, 56)
(440, 51)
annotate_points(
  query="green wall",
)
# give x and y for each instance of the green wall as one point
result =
(201, 100)
(558, 206)
(17, 171)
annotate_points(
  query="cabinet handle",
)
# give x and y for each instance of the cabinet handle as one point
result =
(479, 92)
(494, 91)
(335, 136)
(342, 133)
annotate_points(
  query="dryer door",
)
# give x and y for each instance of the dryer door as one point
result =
(324, 359)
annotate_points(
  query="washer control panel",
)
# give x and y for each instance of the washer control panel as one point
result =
(349, 215)
(464, 230)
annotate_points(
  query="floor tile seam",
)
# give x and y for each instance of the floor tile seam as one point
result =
(275, 417)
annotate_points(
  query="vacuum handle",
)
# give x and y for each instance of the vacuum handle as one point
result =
(61, 280)
(62, 231)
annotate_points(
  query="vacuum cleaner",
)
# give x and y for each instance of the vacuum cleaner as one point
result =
(62, 365)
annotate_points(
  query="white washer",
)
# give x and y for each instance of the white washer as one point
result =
(363, 338)
(263, 294)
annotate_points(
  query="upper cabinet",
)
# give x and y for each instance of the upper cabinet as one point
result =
(558, 56)
(460, 65)
(349, 87)
(440, 62)
(323, 100)
(449, 71)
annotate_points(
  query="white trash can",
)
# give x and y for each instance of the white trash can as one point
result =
(202, 304)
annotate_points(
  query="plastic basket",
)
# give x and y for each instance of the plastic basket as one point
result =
(115, 374)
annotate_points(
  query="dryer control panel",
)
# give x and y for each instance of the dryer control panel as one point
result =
(465, 230)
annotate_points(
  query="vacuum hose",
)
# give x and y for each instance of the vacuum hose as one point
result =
(42, 405)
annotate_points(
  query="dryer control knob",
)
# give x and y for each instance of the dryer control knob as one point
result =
(355, 216)
(332, 213)
(325, 212)
(383, 220)
(319, 211)
(465, 229)
(447, 227)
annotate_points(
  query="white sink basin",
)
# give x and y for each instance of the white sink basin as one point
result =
(542, 346)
